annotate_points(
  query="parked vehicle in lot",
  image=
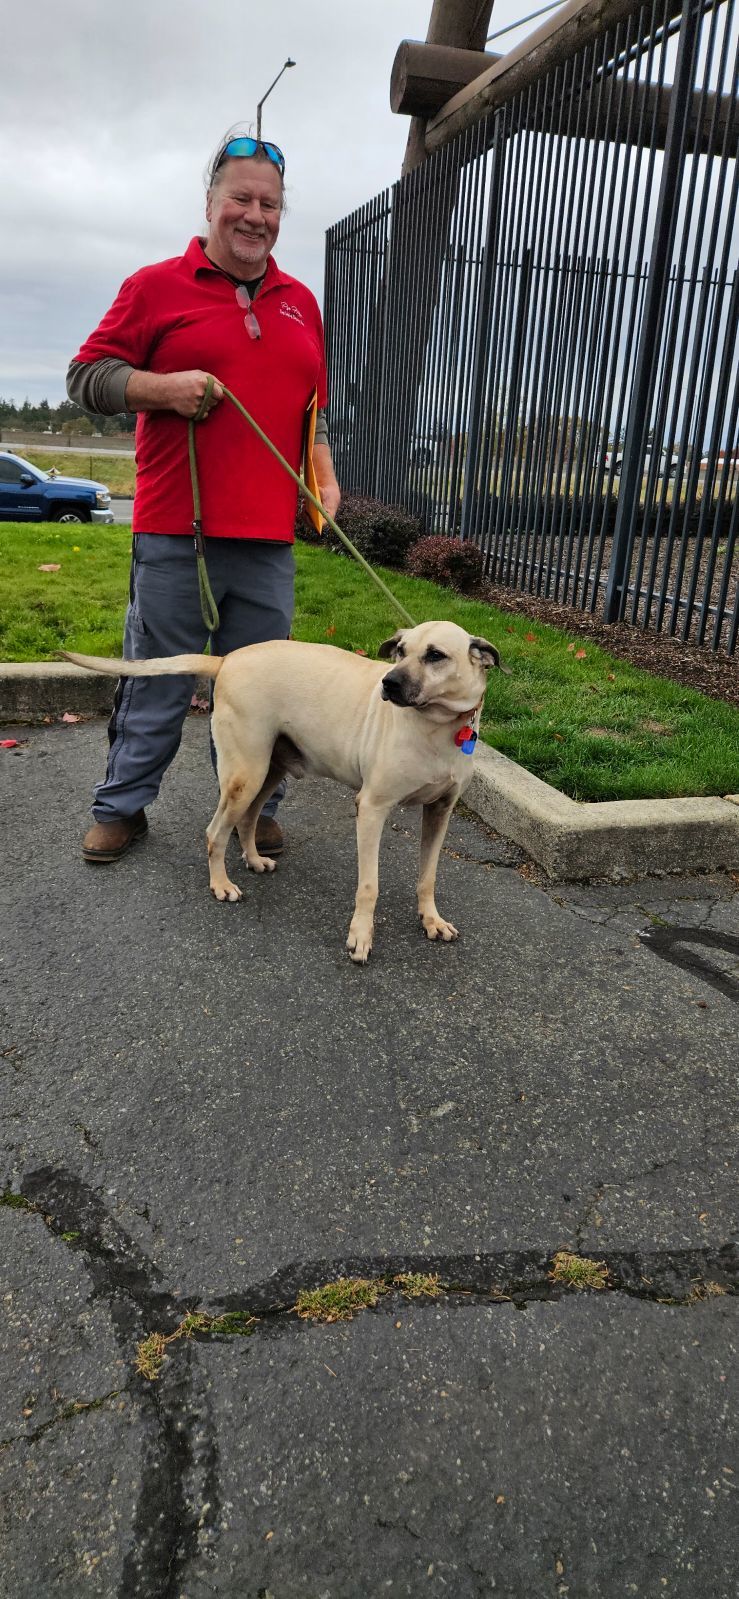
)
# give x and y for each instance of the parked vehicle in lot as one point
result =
(29, 495)
(667, 468)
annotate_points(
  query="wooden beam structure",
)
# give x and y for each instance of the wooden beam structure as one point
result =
(460, 23)
(425, 76)
(640, 114)
(560, 37)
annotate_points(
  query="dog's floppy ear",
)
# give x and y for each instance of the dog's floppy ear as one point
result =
(389, 647)
(487, 655)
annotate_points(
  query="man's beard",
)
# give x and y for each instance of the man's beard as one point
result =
(242, 244)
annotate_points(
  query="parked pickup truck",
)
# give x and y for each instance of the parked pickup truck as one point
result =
(29, 495)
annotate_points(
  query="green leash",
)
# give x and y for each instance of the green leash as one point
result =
(207, 602)
(208, 605)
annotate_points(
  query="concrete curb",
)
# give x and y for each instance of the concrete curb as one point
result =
(31, 690)
(616, 839)
(572, 841)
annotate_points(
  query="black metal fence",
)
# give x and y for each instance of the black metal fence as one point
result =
(533, 337)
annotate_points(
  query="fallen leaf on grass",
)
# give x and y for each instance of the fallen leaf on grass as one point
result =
(570, 647)
(50, 566)
(530, 638)
(330, 632)
(580, 655)
(69, 716)
(360, 652)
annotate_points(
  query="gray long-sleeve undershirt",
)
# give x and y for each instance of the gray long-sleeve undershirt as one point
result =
(100, 387)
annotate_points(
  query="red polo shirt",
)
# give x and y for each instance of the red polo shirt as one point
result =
(181, 315)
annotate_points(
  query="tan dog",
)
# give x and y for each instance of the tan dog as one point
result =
(313, 709)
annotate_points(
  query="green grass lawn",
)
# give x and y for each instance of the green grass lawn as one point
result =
(117, 472)
(593, 726)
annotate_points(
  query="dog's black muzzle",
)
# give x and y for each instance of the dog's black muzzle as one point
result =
(395, 688)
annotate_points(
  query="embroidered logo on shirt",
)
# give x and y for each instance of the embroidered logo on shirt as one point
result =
(292, 312)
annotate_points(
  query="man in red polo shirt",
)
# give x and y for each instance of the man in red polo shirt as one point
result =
(225, 308)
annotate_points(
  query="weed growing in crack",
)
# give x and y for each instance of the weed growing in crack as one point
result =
(576, 1271)
(700, 1291)
(15, 1201)
(340, 1300)
(151, 1352)
(416, 1285)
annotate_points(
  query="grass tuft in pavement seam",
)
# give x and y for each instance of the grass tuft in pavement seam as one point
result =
(337, 1301)
(340, 1300)
(151, 1353)
(15, 1201)
(576, 1271)
(701, 1290)
(417, 1285)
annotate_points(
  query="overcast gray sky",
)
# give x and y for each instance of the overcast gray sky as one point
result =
(110, 111)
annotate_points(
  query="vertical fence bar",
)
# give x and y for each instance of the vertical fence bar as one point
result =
(664, 233)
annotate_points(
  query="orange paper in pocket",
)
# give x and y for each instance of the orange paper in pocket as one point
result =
(312, 515)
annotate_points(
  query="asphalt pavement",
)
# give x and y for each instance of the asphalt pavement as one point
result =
(122, 509)
(208, 1107)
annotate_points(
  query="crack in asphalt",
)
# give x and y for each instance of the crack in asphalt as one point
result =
(69, 1412)
(180, 1460)
(165, 1526)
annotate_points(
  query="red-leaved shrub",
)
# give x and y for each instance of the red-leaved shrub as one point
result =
(380, 532)
(444, 560)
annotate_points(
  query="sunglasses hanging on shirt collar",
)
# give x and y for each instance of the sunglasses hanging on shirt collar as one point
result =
(244, 145)
(250, 321)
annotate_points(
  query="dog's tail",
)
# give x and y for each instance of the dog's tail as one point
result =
(161, 666)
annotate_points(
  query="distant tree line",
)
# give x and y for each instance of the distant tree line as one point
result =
(66, 418)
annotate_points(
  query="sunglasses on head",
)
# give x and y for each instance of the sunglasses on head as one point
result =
(244, 145)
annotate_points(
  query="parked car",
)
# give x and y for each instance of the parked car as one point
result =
(29, 495)
(665, 468)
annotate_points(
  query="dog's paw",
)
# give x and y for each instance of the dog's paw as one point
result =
(435, 927)
(359, 944)
(226, 891)
(260, 863)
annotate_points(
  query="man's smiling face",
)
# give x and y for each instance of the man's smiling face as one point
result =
(244, 209)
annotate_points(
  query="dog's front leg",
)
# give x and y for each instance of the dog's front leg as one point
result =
(433, 832)
(371, 819)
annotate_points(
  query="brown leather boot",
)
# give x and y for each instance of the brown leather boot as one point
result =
(269, 836)
(107, 841)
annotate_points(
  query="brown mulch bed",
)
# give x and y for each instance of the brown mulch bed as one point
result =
(691, 664)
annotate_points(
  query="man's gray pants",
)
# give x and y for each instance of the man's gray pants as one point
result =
(253, 586)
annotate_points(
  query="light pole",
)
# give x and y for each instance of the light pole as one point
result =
(288, 63)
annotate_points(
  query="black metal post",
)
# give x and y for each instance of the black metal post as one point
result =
(646, 363)
(475, 427)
